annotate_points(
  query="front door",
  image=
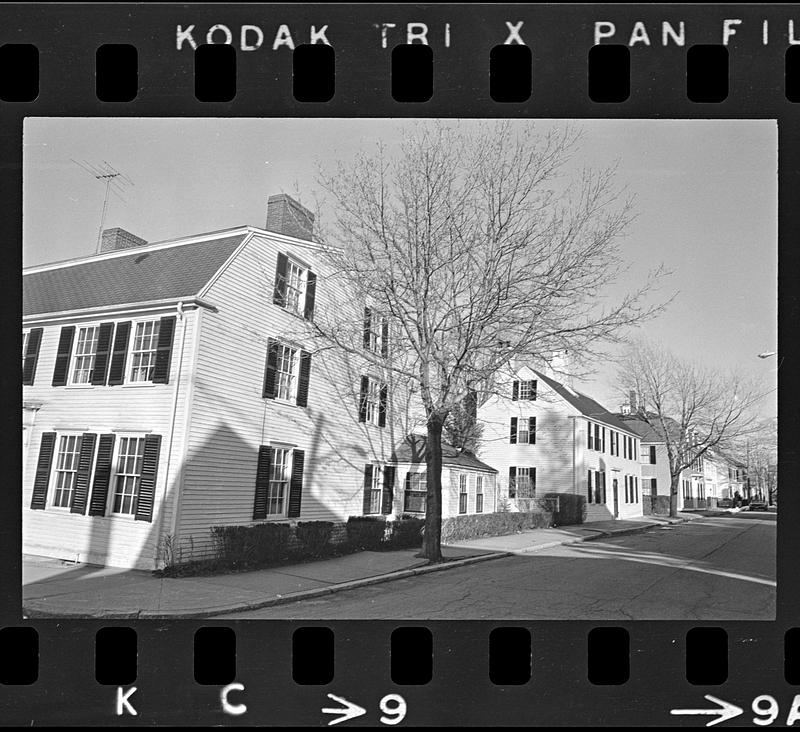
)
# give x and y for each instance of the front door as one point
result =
(615, 489)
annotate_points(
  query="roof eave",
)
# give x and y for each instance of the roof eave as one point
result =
(118, 309)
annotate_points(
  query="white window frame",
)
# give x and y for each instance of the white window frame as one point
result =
(479, 492)
(376, 490)
(522, 429)
(463, 493)
(295, 286)
(525, 390)
(420, 479)
(376, 322)
(518, 475)
(286, 381)
(56, 470)
(132, 351)
(372, 401)
(116, 474)
(284, 479)
(25, 336)
(75, 356)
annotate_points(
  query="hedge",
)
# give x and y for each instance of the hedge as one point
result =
(474, 526)
(366, 532)
(313, 537)
(568, 508)
(244, 546)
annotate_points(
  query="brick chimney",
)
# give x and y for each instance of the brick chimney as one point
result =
(633, 401)
(115, 239)
(287, 216)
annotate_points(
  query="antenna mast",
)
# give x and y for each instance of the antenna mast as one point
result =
(115, 183)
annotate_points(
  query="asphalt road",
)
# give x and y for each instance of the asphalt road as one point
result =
(716, 568)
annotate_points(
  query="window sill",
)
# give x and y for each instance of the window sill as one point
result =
(138, 385)
(79, 386)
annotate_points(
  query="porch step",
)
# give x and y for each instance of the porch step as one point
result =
(597, 512)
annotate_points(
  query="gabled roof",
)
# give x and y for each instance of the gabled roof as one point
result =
(412, 450)
(648, 432)
(587, 406)
(141, 274)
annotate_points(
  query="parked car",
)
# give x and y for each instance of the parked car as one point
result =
(758, 505)
(725, 503)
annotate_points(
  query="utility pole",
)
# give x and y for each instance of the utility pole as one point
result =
(115, 182)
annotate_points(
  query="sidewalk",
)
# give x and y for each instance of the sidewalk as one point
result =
(52, 588)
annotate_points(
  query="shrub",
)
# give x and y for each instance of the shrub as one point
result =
(473, 526)
(244, 546)
(313, 537)
(366, 532)
(569, 509)
(406, 533)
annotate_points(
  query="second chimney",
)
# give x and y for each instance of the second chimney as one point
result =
(634, 402)
(287, 216)
(115, 239)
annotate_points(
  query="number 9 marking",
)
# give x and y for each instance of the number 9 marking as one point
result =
(766, 706)
(394, 708)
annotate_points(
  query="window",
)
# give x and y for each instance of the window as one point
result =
(143, 353)
(295, 286)
(650, 452)
(479, 494)
(522, 482)
(636, 490)
(85, 352)
(375, 493)
(372, 401)
(376, 332)
(598, 444)
(462, 493)
(278, 482)
(127, 475)
(590, 434)
(589, 487)
(527, 390)
(416, 490)
(286, 373)
(25, 335)
(523, 430)
(66, 470)
(372, 407)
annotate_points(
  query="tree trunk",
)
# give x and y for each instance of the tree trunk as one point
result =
(673, 495)
(432, 542)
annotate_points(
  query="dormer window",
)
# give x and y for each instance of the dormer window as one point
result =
(295, 286)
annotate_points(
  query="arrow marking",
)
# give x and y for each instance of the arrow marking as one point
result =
(725, 711)
(348, 711)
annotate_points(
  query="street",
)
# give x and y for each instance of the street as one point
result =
(711, 568)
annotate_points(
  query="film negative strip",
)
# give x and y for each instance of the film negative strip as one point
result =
(176, 431)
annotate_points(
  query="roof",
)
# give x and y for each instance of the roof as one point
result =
(141, 274)
(412, 450)
(587, 406)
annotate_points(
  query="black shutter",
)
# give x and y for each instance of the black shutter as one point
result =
(531, 430)
(382, 405)
(81, 495)
(166, 334)
(279, 295)
(311, 296)
(63, 355)
(653, 487)
(384, 337)
(513, 430)
(589, 486)
(367, 327)
(533, 389)
(263, 468)
(603, 484)
(512, 481)
(268, 391)
(147, 481)
(303, 379)
(407, 491)
(103, 353)
(367, 488)
(652, 454)
(31, 356)
(362, 399)
(515, 391)
(388, 489)
(40, 482)
(102, 476)
(603, 443)
(532, 473)
(116, 372)
(590, 439)
(296, 483)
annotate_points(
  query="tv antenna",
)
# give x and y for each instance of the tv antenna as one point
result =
(115, 182)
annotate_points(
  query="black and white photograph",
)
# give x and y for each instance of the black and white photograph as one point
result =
(422, 369)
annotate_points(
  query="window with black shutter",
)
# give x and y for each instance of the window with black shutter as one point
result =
(303, 379)
(166, 335)
(63, 355)
(590, 436)
(296, 484)
(279, 294)
(531, 430)
(384, 338)
(147, 482)
(652, 454)
(513, 430)
(270, 372)
(263, 470)
(384, 399)
(589, 488)
(515, 390)
(362, 399)
(512, 482)
(103, 353)
(102, 475)
(387, 506)
(31, 356)
(311, 296)
(83, 475)
(367, 329)
(367, 506)
(42, 477)
(116, 371)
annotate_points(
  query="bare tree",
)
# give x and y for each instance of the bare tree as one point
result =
(478, 250)
(692, 408)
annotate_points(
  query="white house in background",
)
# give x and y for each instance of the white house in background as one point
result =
(469, 486)
(174, 386)
(543, 436)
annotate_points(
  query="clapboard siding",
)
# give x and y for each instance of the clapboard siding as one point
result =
(115, 541)
(230, 418)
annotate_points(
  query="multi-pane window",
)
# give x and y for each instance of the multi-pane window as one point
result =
(374, 331)
(372, 401)
(524, 483)
(66, 470)
(590, 435)
(375, 492)
(143, 353)
(85, 352)
(462, 493)
(527, 390)
(523, 430)
(278, 482)
(479, 494)
(295, 286)
(416, 489)
(127, 475)
(286, 373)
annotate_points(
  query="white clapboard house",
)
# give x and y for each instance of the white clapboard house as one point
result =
(175, 386)
(543, 436)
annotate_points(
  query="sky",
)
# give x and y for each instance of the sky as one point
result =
(705, 197)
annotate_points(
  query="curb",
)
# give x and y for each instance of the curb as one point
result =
(30, 613)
